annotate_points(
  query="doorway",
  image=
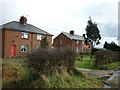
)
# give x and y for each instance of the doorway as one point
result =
(12, 50)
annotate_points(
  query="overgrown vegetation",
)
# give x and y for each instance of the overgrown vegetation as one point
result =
(60, 76)
(95, 50)
(58, 79)
(15, 75)
(74, 79)
(46, 60)
(44, 43)
(88, 62)
(104, 57)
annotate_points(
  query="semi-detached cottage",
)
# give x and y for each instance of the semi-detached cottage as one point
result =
(76, 42)
(20, 38)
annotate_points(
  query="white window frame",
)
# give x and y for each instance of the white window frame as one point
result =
(78, 42)
(39, 37)
(61, 42)
(25, 35)
(77, 49)
(82, 42)
(24, 48)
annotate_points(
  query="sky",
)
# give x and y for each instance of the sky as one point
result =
(55, 16)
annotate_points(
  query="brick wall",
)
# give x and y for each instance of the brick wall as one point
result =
(75, 46)
(14, 38)
(66, 42)
(0, 43)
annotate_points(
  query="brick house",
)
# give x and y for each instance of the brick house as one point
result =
(20, 38)
(76, 42)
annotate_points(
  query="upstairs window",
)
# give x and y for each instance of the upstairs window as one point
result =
(60, 42)
(24, 35)
(24, 48)
(78, 42)
(82, 42)
(77, 49)
(39, 37)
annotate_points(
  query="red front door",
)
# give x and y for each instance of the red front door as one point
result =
(12, 50)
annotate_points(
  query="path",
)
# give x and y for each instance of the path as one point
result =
(97, 73)
(109, 77)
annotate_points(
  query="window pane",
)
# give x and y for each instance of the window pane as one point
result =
(24, 35)
(77, 42)
(60, 41)
(82, 42)
(38, 37)
(77, 50)
(24, 48)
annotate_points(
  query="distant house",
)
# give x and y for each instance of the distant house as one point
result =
(76, 42)
(20, 38)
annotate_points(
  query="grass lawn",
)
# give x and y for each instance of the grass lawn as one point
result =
(88, 63)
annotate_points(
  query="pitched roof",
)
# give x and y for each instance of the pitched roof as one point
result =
(17, 26)
(73, 37)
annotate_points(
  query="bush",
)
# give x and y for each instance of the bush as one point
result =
(95, 50)
(47, 60)
(104, 57)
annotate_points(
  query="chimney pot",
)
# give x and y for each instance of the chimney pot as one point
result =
(72, 32)
(84, 35)
(23, 20)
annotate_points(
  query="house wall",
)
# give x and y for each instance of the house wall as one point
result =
(49, 39)
(14, 38)
(1, 44)
(75, 46)
(66, 42)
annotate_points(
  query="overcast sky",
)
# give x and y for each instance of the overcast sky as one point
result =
(55, 16)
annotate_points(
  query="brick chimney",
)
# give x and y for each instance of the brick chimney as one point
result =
(84, 35)
(72, 32)
(23, 20)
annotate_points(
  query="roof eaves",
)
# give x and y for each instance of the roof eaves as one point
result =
(25, 31)
(66, 35)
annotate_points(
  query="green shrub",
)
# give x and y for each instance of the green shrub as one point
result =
(95, 50)
(46, 60)
(104, 57)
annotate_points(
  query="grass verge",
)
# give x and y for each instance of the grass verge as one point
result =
(89, 63)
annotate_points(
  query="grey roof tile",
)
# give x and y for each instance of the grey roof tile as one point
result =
(17, 26)
(73, 37)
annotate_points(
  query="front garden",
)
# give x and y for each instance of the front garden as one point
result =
(52, 69)
(88, 62)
